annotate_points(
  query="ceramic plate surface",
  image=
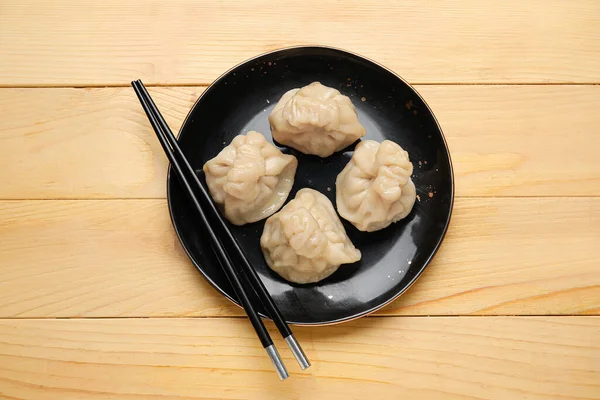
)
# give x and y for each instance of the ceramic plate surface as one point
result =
(389, 108)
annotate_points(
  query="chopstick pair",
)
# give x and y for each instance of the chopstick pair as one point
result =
(192, 186)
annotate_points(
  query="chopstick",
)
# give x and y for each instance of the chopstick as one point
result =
(224, 259)
(251, 274)
(190, 181)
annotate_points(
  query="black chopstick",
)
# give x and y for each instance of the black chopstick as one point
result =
(249, 271)
(226, 263)
(167, 138)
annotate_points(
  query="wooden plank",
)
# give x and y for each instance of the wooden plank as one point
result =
(413, 358)
(78, 143)
(513, 257)
(192, 42)
(97, 143)
(121, 258)
(98, 258)
(520, 141)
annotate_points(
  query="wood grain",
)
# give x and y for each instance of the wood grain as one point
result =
(192, 42)
(97, 143)
(67, 143)
(414, 358)
(107, 258)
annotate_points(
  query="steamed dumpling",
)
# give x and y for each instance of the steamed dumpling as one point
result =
(374, 189)
(315, 119)
(250, 179)
(306, 242)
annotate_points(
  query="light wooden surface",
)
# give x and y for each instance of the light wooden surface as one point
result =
(192, 42)
(505, 140)
(413, 358)
(97, 297)
(121, 258)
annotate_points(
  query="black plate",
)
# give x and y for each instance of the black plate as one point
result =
(389, 108)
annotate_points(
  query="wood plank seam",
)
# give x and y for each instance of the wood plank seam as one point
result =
(207, 84)
(267, 320)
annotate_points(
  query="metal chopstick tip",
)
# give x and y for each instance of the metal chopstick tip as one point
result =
(297, 352)
(277, 362)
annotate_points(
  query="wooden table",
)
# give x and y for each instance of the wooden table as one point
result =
(98, 300)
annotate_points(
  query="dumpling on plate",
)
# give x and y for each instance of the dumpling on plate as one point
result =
(306, 242)
(250, 178)
(315, 119)
(374, 190)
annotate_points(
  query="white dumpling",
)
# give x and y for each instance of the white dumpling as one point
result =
(374, 189)
(250, 178)
(315, 119)
(306, 242)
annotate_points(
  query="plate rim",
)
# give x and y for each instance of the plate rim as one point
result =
(427, 261)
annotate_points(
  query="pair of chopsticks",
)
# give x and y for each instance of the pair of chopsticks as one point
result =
(197, 192)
